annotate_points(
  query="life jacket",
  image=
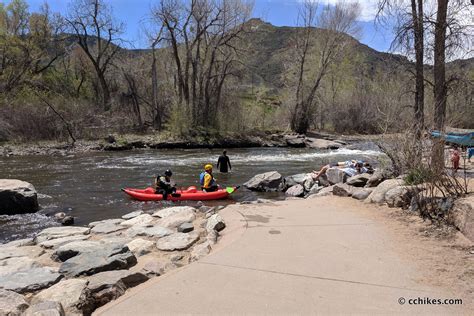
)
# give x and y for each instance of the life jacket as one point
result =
(162, 183)
(203, 175)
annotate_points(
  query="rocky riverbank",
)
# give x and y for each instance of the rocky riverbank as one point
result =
(378, 188)
(130, 142)
(74, 270)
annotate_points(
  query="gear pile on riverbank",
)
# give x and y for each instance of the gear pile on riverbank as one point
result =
(74, 270)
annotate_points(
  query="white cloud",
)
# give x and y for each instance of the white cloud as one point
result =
(368, 8)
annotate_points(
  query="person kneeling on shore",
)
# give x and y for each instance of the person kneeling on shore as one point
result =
(208, 183)
(164, 186)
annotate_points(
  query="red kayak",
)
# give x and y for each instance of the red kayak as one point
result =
(190, 194)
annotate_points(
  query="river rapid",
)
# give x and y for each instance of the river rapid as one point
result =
(87, 186)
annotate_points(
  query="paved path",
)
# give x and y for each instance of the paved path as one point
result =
(291, 257)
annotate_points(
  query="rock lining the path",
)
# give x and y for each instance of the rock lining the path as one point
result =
(46, 308)
(60, 232)
(296, 191)
(72, 294)
(132, 215)
(57, 268)
(30, 280)
(166, 212)
(11, 303)
(177, 241)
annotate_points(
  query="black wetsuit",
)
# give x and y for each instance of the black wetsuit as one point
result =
(164, 187)
(223, 163)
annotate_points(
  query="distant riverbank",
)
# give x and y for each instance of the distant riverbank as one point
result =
(134, 141)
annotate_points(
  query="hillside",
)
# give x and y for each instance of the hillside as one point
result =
(364, 91)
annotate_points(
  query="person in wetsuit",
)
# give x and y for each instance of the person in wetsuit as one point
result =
(223, 163)
(164, 186)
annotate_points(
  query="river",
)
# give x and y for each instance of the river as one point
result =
(87, 186)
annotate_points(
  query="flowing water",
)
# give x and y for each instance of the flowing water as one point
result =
(88, 186)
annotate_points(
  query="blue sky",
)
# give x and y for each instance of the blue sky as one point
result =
(277, 12)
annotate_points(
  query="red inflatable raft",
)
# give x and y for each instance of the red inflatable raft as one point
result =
(190, 194)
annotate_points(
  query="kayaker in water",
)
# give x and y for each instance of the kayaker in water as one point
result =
(223, 163)
(208, 183)
(164, 186)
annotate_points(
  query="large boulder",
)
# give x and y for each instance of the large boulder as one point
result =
(166, 212)
(335, 175)
(323, 181)
(129, 279)
(359, 180)
(343, 189)
(268, 181)
(58, 242)
(378, 195)
(29, 280)
(11, 303)
(46, 308)
(176, 219)
(361, 193)
(19, 243)
(140, 219)
(72, 294)
(308, 183)
(107, 286)
(297, 141)
(27, 251)
(321, 143)
(301, 178)
(16, 264)
(17, 197)
(140, 246)
(375, 179)
(60, 232)
(177, 241)
(94, 258)
(106, 228)
(200, 251)
(106, 221)
(323, 192)
(132, 214)
(401, 196)
(215, 222)
(154, 231)
(462, 216)
(75, 248)
(185, 228)
(296, 190)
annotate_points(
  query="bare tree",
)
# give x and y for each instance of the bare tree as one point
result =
(409, 36)
(96, 32)
(202, 36)
(335, 23)
(440, 88)
(451, 35)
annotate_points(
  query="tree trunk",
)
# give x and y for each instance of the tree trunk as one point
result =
(157, 119)
(105, 91)
(417, 16)
(440, 90)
